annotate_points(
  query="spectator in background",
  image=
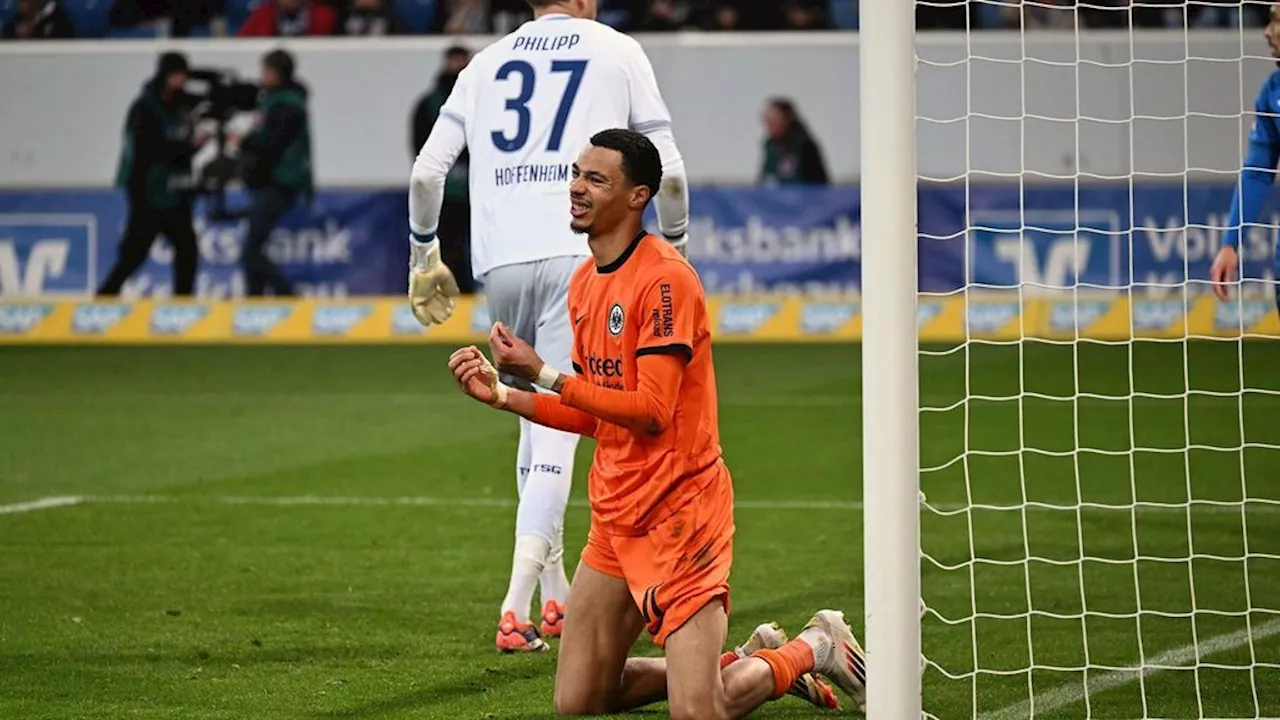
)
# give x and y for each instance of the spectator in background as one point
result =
(39, 20)
(804, 15)
(277, 158)
(723, 15)
(368, 18)
(183, 16)
(667, 15)
(791, 155)
(455, 214)
(290, 18)
(155, 174)
(463, 17)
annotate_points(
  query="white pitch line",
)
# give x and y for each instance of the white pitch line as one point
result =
(43, 503)
(420, 501)
(1066, 695)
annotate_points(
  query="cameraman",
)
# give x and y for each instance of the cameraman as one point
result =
(155, 173)
(277, 156)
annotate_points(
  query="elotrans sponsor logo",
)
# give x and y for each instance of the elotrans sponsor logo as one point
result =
(176, 319)
(823, 318)
(258, 319)
(1156, 314)
(746, 318)
(1065, 316)
(22, 318)
(991, 317)
(1242, 315)
(339, 319)
(97, 318)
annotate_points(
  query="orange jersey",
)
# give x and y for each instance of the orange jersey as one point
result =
(648, 302)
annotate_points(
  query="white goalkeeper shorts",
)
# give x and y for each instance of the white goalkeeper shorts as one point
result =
(532, 299)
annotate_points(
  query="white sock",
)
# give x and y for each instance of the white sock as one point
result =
(554, 582)
(820, 642)
(526, 565)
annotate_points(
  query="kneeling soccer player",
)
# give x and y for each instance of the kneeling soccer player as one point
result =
(661, 541)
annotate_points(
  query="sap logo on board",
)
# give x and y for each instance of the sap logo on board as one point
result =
(927, 312)
(259, 319)
(404, 323)
(1070, 316)
(991, 317)
(97, 318)
(746, 318)
(1245, 314)
(339, 319)
(823, 318)
(19, 319)
(176, 319)
(1156, 314)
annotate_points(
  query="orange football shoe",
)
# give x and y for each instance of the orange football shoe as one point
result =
(518, 637)
(552, 619)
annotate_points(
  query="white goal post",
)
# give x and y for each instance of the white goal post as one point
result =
(889, 376)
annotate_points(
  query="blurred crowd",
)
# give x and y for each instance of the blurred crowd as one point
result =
(50, 19)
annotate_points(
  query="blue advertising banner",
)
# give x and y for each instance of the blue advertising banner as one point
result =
(744, 241)
(65, 242)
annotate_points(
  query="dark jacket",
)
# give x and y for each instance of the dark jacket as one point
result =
(795, 159)
(355, 23)
(278, 151)
(425, 115)
(51, 23)
(155, 162)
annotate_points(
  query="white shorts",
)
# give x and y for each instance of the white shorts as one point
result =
(532, 299)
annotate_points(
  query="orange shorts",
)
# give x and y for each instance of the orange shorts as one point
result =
(675, 568)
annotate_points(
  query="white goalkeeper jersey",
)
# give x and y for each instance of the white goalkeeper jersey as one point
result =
(528, 105)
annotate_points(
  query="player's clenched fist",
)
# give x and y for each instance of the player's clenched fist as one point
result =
(513, 355)
(477, 376)
(432, 286)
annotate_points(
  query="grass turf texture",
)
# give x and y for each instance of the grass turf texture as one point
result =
(195, 608)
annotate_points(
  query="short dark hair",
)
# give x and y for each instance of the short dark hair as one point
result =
(455, 50)
(640, 160)
(282, 62)
(535, 4)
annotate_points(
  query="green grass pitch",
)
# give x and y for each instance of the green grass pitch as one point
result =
(159, 597)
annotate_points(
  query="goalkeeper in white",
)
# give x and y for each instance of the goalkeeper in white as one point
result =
(524, 108)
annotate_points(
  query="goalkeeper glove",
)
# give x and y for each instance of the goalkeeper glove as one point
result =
(432, 287)
(680, 243)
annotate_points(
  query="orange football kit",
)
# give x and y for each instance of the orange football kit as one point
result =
(661, 495)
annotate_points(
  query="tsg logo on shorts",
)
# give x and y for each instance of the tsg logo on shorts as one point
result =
(47, 254)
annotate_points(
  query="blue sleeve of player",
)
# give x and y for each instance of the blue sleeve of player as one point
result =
(1258, 174)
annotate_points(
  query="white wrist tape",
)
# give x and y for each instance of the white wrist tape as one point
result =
(500, 396)
(547, 377)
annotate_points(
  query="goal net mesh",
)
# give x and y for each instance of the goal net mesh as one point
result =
(1100, 436)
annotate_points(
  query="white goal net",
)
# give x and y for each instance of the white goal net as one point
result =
(1099, 435)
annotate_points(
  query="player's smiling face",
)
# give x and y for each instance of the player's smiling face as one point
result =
(1273, 31)
(600, 196)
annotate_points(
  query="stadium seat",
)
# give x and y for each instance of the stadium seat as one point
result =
(237, 12)
(6, 10)
(91, 17)
(844, 14)
(417, 16)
